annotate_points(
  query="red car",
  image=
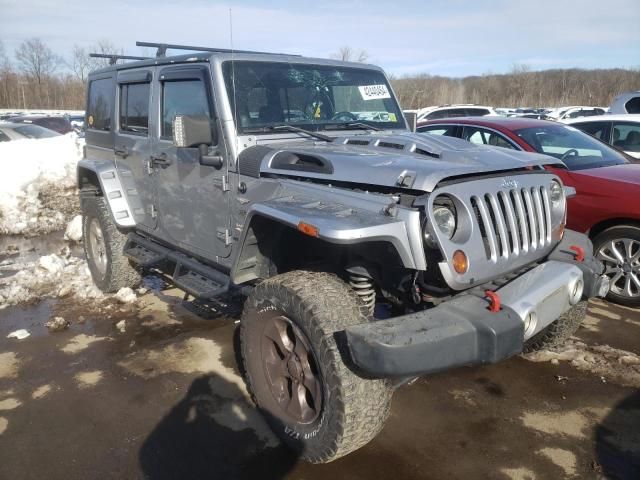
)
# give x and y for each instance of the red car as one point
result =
(607, 184)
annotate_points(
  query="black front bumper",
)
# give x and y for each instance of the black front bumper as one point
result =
(459, 332)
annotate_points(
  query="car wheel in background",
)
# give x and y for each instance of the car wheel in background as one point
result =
(618, 248)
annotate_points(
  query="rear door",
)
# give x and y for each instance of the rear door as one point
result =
(192, 199)
(132, 146)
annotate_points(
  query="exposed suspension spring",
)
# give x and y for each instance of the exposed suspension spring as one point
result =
(363, 286)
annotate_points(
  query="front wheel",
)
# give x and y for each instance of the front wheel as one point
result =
(293, 358)
(619, 249)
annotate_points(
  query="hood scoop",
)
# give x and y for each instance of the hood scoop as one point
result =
(301, 162)
(407, 146)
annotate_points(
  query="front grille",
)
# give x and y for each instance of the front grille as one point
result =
(513, 222)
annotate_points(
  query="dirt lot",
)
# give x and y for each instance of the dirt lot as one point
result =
(158, 396)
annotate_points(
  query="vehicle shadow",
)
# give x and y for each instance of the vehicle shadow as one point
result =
(214, 433)
(618, 440)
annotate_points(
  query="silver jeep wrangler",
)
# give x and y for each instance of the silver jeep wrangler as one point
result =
(369, 254)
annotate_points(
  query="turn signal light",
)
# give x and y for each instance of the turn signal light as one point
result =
(460, 262)
(308, 229)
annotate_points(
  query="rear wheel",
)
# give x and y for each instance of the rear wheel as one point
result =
(103, 248)
(293, 357)
(619, 249)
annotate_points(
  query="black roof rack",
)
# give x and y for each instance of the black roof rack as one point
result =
(113, 58)
(162, 49)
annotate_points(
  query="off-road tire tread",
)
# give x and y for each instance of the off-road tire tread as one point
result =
(559, 331)
(326, 305)
(120, 272)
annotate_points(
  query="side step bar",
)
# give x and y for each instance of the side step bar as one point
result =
(190, 275)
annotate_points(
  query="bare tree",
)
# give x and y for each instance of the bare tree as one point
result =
(36, 60)
(80, 63)
(105, 47)
(348, 54)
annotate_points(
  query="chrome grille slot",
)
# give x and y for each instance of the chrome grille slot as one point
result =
(514, 222)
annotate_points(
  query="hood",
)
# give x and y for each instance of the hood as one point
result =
(405, 160)
(627, 173)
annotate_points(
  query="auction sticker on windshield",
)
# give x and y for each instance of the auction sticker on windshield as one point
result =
(373, 92)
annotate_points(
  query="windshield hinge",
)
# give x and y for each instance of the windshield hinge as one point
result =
(225, 183)
(224, 235)
(154, 213)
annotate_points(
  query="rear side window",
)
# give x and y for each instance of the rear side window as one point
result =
(134, 108)
(183, 97)
(627, 136)
(476, 112)
(100, 104)
(600, 130)
(633, 105)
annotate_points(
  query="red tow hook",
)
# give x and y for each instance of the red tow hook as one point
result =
(579, 256)
(494, 301)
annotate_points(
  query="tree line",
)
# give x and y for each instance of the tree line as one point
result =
(36, 77)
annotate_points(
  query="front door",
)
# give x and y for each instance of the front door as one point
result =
(191, 198)
(132, 146)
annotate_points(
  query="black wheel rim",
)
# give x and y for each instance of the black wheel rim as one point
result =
(291, 370)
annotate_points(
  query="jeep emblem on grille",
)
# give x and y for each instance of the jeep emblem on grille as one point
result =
(509, 183)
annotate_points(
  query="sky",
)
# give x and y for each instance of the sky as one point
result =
(438, 37)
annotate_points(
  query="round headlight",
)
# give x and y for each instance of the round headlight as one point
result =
(445, 220)
(556, 193)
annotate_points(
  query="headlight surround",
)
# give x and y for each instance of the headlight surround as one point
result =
(558, 203)
(445, 219)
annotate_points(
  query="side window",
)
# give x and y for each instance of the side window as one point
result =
(100, 103)
(628, 136)
(446, 130)
(482, 136)
(600, 130)
(134, 108)
(476, 112)
(183, 97)
(633, 105)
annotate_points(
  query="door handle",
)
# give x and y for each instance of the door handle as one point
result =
(161, 160)
(121, 151)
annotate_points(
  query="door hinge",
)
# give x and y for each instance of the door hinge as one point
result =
(224, 235)
(149, 165)
(225, 183)
(154, 213)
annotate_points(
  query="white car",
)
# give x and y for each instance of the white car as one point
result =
(621, 131)
(565, 113)
(626, 103)
(449, 111)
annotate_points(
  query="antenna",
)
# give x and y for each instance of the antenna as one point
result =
(233, 86)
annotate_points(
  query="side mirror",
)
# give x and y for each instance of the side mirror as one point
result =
(195, 132)
(190, 132)
(412, 120)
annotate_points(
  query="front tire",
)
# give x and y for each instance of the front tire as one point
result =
(619, 249)
(103, 248)
(294, 365)
(558, 332)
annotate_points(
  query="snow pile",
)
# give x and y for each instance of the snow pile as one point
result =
(74, 229)
(37, 185)
(50, 276)
(602, 360)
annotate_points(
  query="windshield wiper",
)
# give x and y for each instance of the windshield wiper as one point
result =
(360, 125)
(291, 128)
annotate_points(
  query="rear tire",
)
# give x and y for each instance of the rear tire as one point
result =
(341, 411)
(559, 331)
(620, 265)
(103, 248)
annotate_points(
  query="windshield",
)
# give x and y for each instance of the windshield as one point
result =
(312, 97)
(576, 149)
